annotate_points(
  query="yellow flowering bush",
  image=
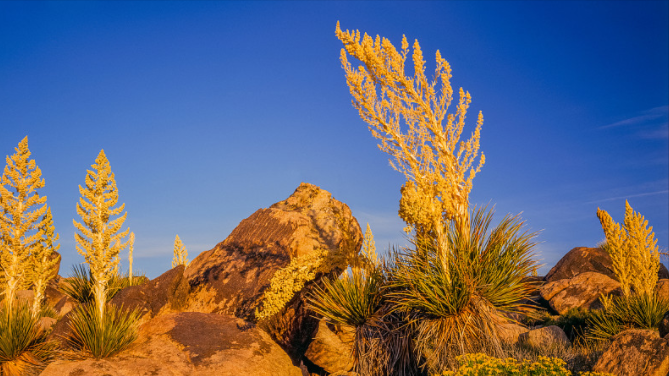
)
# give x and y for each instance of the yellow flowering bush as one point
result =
(289, 280)
(480, 365)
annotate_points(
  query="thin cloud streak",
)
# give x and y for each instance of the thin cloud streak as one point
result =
(629, 196)
(651, 114)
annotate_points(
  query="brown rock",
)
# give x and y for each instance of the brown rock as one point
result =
(546, 337)
(65, 305)
(580, 260)
(331, 348)
(662, 289)
(166, 293)
(52, 295)
(60, 331)
(583, 259)
(509, 332)
(232, 277)
(584, 290)
(26, 296)
(664, 325)
(193, 344)
(635, 352)
(46, 323)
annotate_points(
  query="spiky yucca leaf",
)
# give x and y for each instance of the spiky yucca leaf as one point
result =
(455, 307)
(23, 346)
(102, 337)
(352, 299)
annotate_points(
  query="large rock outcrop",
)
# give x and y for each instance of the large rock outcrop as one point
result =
(189, 344)
(582, 291)
(583, 259)
(635, 352)
(264, 270)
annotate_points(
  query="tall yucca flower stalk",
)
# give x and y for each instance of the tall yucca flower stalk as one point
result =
(43, 264)
(633, 250)
(180, 253)
(409, 116)
(100, 237)
(131, 246)
(22, 211)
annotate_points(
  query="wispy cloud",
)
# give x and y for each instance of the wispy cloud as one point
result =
(660, 133)
(663, 192)
(643, 118)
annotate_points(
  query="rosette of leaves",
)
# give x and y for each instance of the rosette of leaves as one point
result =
(455, 307)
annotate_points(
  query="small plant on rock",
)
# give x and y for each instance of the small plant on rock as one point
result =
(180, 253)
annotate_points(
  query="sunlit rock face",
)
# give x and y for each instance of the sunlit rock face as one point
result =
(583, 259)
(635, 352)
(264, 270)
(164, 294)
(583, 291)
(193, 344)
(331, 348)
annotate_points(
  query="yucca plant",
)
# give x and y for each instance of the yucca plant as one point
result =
(23, 346)
(455, 307)
(103, 336)
(355, 300)
(619, 313)
(79, 285)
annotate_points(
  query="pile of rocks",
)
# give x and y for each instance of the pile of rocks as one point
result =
(207, 318)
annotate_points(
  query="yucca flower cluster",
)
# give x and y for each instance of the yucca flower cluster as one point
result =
(27, 235)
(633, 250)
(180, 253)
(409, 116)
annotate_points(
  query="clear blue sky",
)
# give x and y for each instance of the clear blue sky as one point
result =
(210, 110)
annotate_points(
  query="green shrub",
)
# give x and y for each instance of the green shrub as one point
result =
(104, 336)
(454, 306)
(625, 312)
(574, 323)
(480, 365)
(23, 346)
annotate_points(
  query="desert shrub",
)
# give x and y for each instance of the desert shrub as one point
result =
(579, 357)
(23, 346)
(481, 364)
(626, 312)
(356, 300)
(574, 323)
(455, 307)
(103, 336)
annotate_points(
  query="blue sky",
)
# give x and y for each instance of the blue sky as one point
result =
(209, 111)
